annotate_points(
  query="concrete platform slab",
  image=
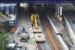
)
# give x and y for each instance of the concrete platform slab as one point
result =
(40, 37)
(37, 30)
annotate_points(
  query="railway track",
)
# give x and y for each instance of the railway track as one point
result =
(51, 37)
(41, 46)
(70, 23)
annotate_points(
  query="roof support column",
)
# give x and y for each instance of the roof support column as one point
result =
(59, 12)
(7, 8)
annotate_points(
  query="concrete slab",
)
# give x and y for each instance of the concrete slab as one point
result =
(37, 30)
(40, 37)
(31, 35)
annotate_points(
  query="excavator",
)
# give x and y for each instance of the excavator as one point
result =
(39, 35)
(35, 21)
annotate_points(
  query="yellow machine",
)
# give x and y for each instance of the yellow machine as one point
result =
(32, 19)
(35, 20)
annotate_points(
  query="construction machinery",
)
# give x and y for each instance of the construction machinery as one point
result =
(35, 20)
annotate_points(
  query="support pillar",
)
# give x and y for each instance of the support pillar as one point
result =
(7, 8)
(59, 12)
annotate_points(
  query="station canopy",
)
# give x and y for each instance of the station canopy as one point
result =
(35, 1)
(7, 4)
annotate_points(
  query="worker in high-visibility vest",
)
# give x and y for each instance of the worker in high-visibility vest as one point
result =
(32, 19)
(35, 24)
(36, 20)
